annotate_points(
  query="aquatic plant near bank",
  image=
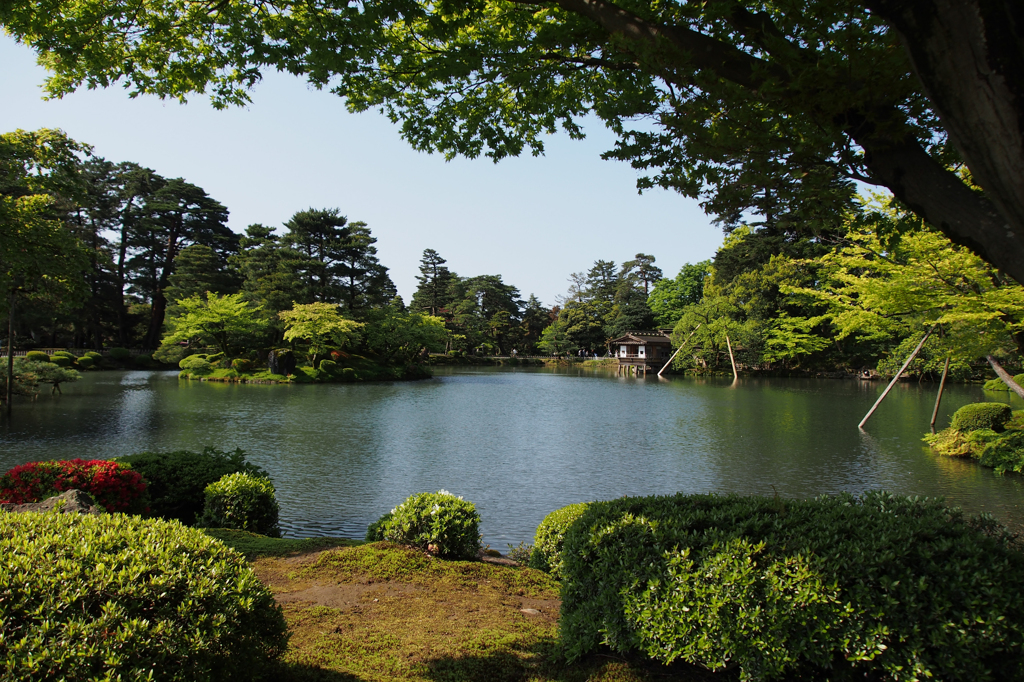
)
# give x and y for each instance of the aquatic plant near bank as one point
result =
(121, 597)
(177, 480)
(440, 523)
(242, 501)
(987, 432)
(114, 486)
(883, 587)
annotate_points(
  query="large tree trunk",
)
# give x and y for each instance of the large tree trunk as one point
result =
(968, 55)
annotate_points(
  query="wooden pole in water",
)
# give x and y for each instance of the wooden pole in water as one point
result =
(938, 398)
(679, 349)
(896, 378)
(1005, 376)
(735, 374)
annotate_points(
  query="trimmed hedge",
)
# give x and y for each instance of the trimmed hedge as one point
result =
(114, 485)
(243, 502)
(178, 480)
(121, 597)
(119, 354)
(440, 523)
(37, 356)
(61, 360)
(550, 536)
(882, 587)
(86, 362)
(242, 365)
(976, 416)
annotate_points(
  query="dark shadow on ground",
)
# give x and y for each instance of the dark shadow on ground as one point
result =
(542, 663)
(301, 672)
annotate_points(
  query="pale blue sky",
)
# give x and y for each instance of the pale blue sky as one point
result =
(532, 220)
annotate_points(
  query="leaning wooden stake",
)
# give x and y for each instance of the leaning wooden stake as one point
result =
(895, 378)
(679, 349)
(1005, 376)
(735, 374)
(938, 398)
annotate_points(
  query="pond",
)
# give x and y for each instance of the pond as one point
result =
(522, 442)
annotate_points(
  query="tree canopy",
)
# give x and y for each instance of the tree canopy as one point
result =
(772, 107)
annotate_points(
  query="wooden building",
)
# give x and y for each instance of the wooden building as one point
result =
(640, 351)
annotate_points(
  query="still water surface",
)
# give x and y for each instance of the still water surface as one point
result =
(520, 443)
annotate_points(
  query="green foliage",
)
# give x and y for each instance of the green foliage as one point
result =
(952, 443)
(242, 365)
(320, 325)
(243, 502)
(882, 291)
(975, 416)
(196, 365)
(119, 354)
(440, 523)
(145, 360)
(37, 356)
(998, 384)
(29, 374)
(328, 366)
(375, 531)
(121, 597)
(399, 337)
(61, 361)
(227, 322)
(670, 297)
(177, 480)
(550, 536)
(1004, 453)
(834, 587)
(86, 362)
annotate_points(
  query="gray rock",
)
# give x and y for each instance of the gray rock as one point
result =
(281, 362)
(69, 502)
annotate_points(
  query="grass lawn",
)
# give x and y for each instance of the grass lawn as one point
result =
(378, 611)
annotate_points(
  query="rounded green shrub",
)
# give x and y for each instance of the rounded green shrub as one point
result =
(196, 364)
(61, 360)
(119, 354)
(976, 416)
(118, 597)
(64, 354)
(1004, 453)
(86, 362)
(547, 542)
(93, 354)
(145, 360)
(328, 366)
(242, 365)
(839, 588)
(349, 374)
(215, 359)
(243, 502)
(998, 384)
(375, 531)
(440, 523)
(37, 356)
(177, 480)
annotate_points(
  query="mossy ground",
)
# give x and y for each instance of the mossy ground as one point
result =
(377, 612)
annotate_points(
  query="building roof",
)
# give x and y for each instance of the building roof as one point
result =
(641, 337)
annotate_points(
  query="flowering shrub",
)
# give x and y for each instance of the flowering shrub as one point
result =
(113, 485)
(440, 523)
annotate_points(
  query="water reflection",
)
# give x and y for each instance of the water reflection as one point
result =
(520, 443)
